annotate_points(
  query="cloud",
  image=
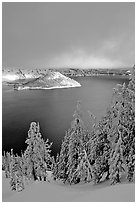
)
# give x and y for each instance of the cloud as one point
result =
(83, 59)
(111, 52)
(110, 45)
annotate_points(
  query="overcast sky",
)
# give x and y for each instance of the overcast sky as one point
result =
(39, 35)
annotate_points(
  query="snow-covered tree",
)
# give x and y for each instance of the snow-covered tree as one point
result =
(74, 152)
(84, 169)
(4, 161)
(76, 166)
(55, 168)
(131, 165)
(37, 154)
(63, 158)
(100, 151)
(117, 162)
(7, 164)
(16, 174)
(78, 125)
(92, 122)
(90, 145)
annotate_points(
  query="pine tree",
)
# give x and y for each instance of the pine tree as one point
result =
(73, 155)
(16, 176)
(46, 153)
(55, 168)
(100, 151)
(29, 152)
(116, 162)
(77, 169)
(21, 176)
(63, 158)
(131, 166)
(4, 161)
(92, 122)
(84, 169)
(91, 143)
(37, 154)
(7, 164)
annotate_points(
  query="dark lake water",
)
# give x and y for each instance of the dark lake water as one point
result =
(53, 109)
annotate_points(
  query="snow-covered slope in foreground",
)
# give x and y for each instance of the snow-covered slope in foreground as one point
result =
(55, 192)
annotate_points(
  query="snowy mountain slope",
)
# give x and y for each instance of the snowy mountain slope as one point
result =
(58, 192)
(38, 80)
(9, 74)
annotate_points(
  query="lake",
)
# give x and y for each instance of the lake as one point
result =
(54, 110)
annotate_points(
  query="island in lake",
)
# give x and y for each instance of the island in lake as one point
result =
(37, 79)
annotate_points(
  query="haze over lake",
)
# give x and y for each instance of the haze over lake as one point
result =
(54, 109)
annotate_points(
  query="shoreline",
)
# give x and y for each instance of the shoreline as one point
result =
(46, 88)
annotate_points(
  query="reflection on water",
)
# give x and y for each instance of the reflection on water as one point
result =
(52, 108)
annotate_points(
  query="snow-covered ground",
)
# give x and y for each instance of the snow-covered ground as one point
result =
(58, 192)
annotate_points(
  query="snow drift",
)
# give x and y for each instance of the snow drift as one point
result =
(51, 191)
